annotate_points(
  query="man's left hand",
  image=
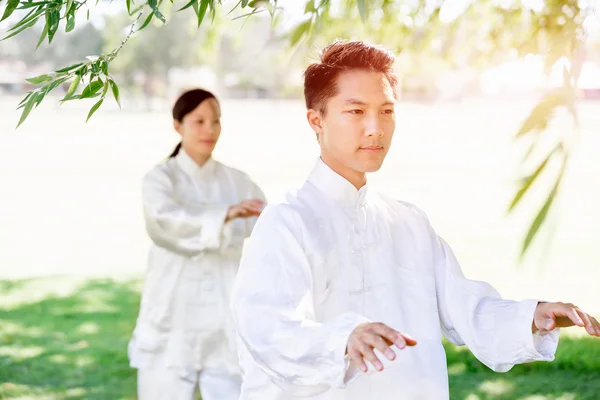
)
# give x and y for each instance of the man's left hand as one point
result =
(549, 316)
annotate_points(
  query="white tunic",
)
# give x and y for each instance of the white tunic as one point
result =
(184, 320)
(331, 257)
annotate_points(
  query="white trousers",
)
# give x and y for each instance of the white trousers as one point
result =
(167, 384)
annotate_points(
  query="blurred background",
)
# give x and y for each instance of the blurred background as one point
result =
(72, 242)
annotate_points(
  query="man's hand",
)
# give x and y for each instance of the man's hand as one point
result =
(367, 337)
(549, 316)
(245, 209)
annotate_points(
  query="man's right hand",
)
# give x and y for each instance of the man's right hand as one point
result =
(245, 209)
(377, 335)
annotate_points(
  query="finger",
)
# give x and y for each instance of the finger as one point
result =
(248, 210)
(356, 359)
(389, 334)
(574, 316)
(410, 341)
(254, 203)
(596, 325)
(379, 343)
(400, 339)
(369, 355)
(586, 321)
(253, 207)
(550, 324)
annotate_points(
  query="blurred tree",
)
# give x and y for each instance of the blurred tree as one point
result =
(444, 34)
(179, 43)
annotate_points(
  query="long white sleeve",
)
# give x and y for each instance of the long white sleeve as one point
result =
(272, 306)
(497, 331)
(255, 192)
(187, 229)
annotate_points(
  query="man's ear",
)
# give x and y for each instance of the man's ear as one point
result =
(315, 120)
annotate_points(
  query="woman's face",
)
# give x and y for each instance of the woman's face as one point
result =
(200, 129)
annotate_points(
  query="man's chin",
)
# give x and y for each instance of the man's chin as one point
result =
(372, 166)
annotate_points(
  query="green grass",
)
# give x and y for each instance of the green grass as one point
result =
(66, 339)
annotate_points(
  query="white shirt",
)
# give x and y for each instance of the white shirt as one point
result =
(331, 257)
(184, 318)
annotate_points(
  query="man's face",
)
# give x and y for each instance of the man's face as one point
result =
(355, 132)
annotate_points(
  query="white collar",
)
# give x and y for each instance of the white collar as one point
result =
(335, 186)
(190, 166)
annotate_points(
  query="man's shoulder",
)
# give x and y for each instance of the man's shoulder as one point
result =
(401, 205)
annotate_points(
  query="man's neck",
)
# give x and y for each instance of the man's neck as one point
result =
(356, 178)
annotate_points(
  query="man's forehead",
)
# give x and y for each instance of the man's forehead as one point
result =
(363, 87)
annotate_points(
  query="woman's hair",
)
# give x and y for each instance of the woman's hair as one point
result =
(185, 104)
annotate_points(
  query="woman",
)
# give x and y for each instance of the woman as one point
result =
(198, 213)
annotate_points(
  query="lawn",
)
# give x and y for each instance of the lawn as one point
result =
(66, 338)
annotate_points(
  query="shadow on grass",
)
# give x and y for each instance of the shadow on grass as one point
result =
(72, 347)
(573, 375)
(75, 347)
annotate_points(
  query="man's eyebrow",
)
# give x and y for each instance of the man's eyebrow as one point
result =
(362, 103)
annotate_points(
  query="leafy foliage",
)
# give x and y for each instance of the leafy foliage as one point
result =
(425, 32)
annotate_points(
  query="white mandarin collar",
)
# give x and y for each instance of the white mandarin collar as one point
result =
(335, 186)
(190, 167)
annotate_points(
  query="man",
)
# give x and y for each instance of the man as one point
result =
(344, 293)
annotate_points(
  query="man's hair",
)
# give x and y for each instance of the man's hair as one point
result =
(320, 78)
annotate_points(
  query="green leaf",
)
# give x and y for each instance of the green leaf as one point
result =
(106, 87)
(159, 15)
(146, 22)
(542, 214)
(528, 181)
(27, 108)
(21, 29)
(52, 20)
(255, 11)
(39, 79)
(128, 4)
(115, 91)
(69, 68)
(310, 7)
(42, 36)
(362, 10)
(22, 103)
(201, 11)
(11, 6)
(32, 15)
(104, 67)
(188, 5)
(94, 108)
(51, 86)
(70, 22)
(72, 88)
(300, 30)
(88, 15)
(32, 4)
(68, 8)
(244, 3)
(540, 115)
(91, 89)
